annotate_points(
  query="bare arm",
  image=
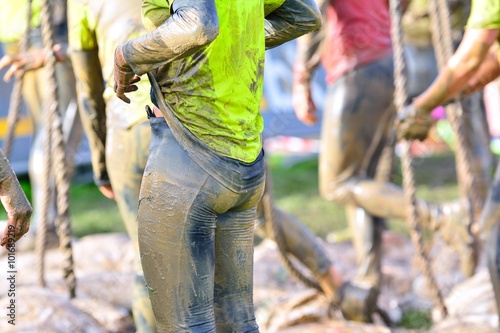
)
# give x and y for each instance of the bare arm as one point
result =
(307, 59)
(308, 54)
(487, 72)
(31, 60)
(461, 67)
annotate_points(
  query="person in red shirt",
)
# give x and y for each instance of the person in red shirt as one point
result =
(354, 47)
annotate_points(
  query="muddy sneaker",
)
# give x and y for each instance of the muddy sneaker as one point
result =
(358, 303)
(455, 230)
(330, 283)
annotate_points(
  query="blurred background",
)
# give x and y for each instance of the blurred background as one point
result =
(291, 146)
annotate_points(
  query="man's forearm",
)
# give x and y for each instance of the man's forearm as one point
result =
(461, 67)
(489, 71)
(308, 56)
(92, 108)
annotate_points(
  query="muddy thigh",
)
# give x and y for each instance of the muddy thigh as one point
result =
(196, 242)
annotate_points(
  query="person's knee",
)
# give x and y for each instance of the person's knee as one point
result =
(338, 192)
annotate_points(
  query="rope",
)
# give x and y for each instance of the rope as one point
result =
(41, 235)
(16, 95)
(400, 100)
(443, 47)
(268, 206)
(62, 222)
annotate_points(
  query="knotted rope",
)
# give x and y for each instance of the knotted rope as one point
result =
(400, 100)
(443, 46)
(57, 143)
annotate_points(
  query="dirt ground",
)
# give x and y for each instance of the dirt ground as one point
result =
(103, 266)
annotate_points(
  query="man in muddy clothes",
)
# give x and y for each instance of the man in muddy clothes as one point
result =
(13, 17)
(354, 47)
(205, 172)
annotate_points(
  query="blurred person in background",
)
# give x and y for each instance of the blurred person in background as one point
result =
(354, 46)
(475, 63)
(118, 133)
(13, 17)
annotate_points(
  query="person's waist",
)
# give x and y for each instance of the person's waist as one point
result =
(156, 111)
(336, 66)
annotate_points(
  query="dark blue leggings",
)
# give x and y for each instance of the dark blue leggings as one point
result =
(196, 239)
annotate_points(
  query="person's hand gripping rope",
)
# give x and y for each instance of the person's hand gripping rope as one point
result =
(413, 123)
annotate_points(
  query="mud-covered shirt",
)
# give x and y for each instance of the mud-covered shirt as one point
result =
(13, 15)
(215, 90)
(416, 21)
(485, 14)
(100, 26)
(357, 33)
(13, 18)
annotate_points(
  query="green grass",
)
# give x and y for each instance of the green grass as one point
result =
(92, 212)
(295, 185)
(295, 188)
(416, 320)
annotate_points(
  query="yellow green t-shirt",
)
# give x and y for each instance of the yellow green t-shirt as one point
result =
(485, 14)
(101, 25)
(216, 91)
(13, 15)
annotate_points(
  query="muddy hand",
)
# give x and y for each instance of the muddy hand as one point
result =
(303, 104)
(124, 76)
(21, 63)
(413, 123)
(18, 211)
(107, 191)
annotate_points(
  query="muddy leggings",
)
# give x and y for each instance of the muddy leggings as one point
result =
(126, 155)
(196, 239)
(357, 116)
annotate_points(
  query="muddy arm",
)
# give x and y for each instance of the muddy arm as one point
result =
(92, 108)
(15, 203)
(291, 20)
(192, 25)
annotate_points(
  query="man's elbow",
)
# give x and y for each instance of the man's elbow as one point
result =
(207, 33)
(316, 22)
(206, 28)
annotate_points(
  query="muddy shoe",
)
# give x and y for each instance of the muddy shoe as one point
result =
(456, 232)
(358, 303)
(330, 283)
